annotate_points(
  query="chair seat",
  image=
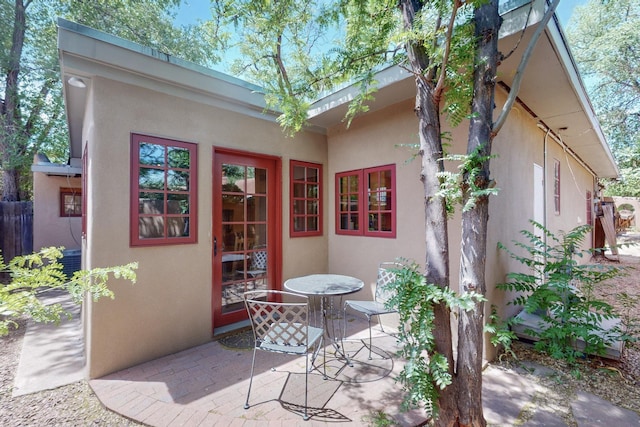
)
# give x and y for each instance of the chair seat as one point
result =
(253, 273)
(370, 308)
(278, 330)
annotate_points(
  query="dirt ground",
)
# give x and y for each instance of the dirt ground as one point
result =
(615, 381)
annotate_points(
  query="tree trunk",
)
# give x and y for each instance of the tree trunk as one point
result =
(10, 114)
(475, 220)
(427, 110)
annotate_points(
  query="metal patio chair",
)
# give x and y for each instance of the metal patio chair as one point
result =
(282, 327)
(378, 305)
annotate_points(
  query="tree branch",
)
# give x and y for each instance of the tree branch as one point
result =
(437, 92)
(517, 81)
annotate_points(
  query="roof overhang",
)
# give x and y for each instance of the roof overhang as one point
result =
(86, 53)
(552, 90)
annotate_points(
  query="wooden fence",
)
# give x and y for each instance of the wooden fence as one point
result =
(16, 229)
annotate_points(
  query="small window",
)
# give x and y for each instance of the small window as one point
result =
(589, 208)
(163, 191)
(306, 199)
(365, 202)
(70, 202)
(556, 186)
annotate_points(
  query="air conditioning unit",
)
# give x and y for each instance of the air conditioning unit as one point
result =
(71, 261)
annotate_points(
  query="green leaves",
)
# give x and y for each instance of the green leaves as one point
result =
(38, 272)
(560, 290)
(426, 371)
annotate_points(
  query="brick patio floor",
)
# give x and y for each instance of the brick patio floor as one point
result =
(207, 386)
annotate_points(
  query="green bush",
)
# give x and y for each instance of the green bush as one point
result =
(560, 291)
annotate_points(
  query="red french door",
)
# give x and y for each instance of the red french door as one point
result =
(246, 230)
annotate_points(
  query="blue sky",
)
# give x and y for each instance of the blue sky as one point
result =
(199, 9)
(193, 10)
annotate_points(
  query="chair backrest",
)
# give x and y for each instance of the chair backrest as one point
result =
(259, 260)
(386, 275)
(275, 322)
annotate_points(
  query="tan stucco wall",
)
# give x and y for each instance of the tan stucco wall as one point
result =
(169, 308)
(49, 228)
(374, 139)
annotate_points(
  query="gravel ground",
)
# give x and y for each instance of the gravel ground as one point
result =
(76, 405)
(72, 405)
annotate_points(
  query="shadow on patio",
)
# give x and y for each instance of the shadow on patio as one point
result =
(207, 386)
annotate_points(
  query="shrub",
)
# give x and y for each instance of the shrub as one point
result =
(560, 291)
(32, 274)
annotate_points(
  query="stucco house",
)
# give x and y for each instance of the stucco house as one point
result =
(184, 171)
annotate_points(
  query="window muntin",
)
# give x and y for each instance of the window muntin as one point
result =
(163, 193)
(305, 199)
(70, 202)
(365, 202)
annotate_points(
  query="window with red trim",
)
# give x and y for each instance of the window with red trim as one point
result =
(365, 202)
(70, 202)
(163, 191)
(556, 186)
(306, 199)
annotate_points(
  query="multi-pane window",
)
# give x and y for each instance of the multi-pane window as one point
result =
(306, 199)
(365, 202)
(589, 217)
(163, 191)
(556, 186)
(70, 202)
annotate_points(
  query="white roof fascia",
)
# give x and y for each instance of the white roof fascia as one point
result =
(88, 52)
(557, 37)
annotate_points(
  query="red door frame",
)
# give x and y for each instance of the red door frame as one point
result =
(274, 221)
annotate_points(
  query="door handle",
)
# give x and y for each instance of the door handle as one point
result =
(215, 246)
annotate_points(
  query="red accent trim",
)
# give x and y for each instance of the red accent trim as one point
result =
(362, 205)
(292, 199)
(74, 192)
(85, 187)
(379, 211)
(273, 165)
(192, 192)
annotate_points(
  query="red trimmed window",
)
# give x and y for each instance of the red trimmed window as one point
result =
(163, 191)
(85, 181)
(556, 186)
(70, 202)
(589, 208)
(365, 202)
(306, 199)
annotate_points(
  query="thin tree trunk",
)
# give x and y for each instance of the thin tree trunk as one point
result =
(475, 220)
(427, 110)
(10, 118)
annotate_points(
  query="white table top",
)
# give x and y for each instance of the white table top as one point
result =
(324, 284)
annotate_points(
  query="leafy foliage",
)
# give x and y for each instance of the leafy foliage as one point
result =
(604, 39)
(299, 51)
(469, 170)
(560, 290)
(34, 121)
(34, 273)
(426, 371)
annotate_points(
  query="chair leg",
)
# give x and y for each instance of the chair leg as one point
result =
(370, 340)
(306, 387)
(253, 364)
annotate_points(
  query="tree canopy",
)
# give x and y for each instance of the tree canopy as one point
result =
(606, 44)
(31, 107)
